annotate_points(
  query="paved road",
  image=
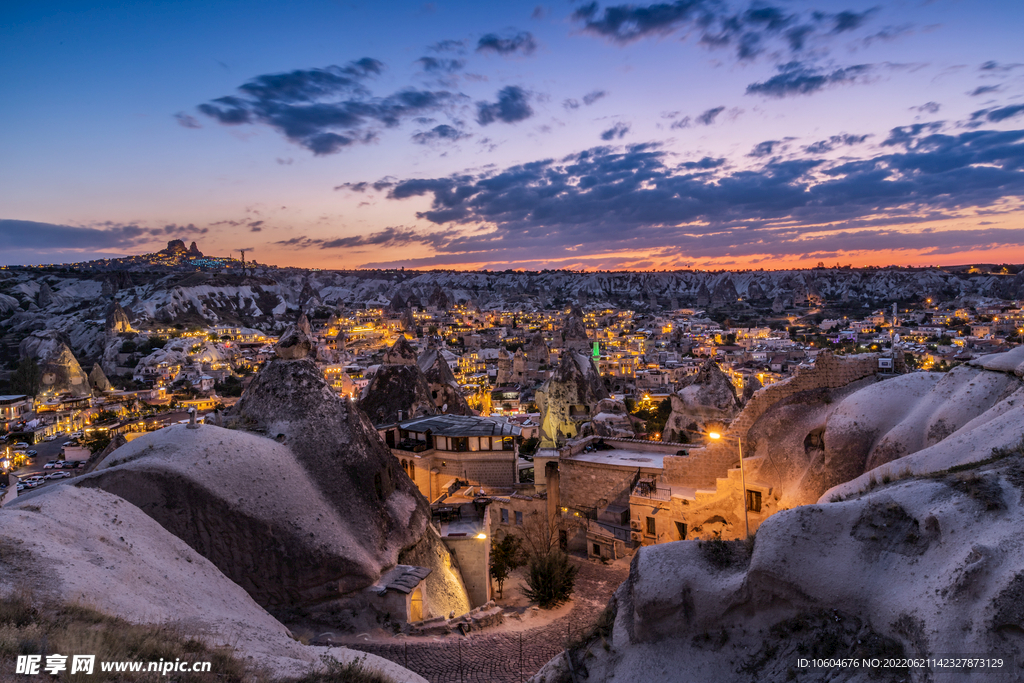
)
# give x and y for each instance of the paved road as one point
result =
(495, 658)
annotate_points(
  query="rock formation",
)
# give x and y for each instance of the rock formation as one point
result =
(74, 545)
(60, 369)
(117, 320)
(45, 296)
(99, 380)
(568, 397)
(193, 251)
(916, 567)
(443, 385)
(400, 353)
(175, 248)
(294, 344)
(574, 333)
(439, 300)
(705, 399)
(612, 419)
(333, 512)
(399, 389)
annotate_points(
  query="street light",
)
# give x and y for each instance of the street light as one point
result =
(743, 483)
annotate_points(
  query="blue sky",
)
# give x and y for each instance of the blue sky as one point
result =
(697, 133)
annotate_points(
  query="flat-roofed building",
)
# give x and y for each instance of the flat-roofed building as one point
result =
(436, 450)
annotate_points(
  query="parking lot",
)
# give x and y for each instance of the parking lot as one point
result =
(45, 451)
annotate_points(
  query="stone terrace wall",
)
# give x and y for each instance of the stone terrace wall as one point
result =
(703, 465)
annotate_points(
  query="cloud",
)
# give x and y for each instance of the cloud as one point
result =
(849, 20)
(443, 132)
(842, 140)
(764, 149)
(35, 242)
(716, 25)
(708, 117)
(388, 237)
(434, 65)
(588, 99)
(635, 198)
(928, 108)
(798, 78)
(186, 121)
(993, 66)
(984, 90)
(456, 46)
(324, 110)
(619, 131)
(681, 123)
(888, 34)
(513, 105)
(521, 42)
(998, 114)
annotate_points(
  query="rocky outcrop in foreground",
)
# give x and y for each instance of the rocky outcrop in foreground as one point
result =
(78, 546)
(919, 567)
(303, 514)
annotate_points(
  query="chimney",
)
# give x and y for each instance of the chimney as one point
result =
(399, 415)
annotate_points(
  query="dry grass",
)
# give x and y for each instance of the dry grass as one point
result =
(68, 629)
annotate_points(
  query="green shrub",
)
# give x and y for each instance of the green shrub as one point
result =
(550, 579)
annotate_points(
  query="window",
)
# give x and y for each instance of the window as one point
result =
(597, 550)
(650, 526)
(504, 516)
(753, 501)
(519, 518)
(681, 529)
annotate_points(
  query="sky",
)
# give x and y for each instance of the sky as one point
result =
(481, 135)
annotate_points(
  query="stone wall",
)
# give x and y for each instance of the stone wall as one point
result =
(585, 484)
(474, 557)
(703, 466)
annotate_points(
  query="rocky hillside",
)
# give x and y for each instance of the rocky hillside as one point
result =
(78, 303)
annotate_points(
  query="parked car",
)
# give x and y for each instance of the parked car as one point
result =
(51, 437)
(58, 475)
(21, 487)
(21, 446)
(69, 465)
(31, 453)
(50, 465)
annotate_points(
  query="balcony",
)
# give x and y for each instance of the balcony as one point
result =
(648, 488)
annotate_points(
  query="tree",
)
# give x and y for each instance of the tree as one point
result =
(550, 579)
(506, 556)
(96, 441)
(28, 378)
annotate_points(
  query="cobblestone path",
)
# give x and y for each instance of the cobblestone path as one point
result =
(494, 657)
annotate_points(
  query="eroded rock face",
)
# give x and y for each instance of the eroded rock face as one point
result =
(915, 567)
(294, 344)
(60, 368)
(394, 390)
(568, 397)
(705, 399)
(99, 380)
(400, 353)
(612, 419)
(117, 320)
(311, 511)
(443, 385)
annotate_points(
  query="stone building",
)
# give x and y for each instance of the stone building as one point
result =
(435, 451)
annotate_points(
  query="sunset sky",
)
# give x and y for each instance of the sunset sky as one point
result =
(689, 134)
